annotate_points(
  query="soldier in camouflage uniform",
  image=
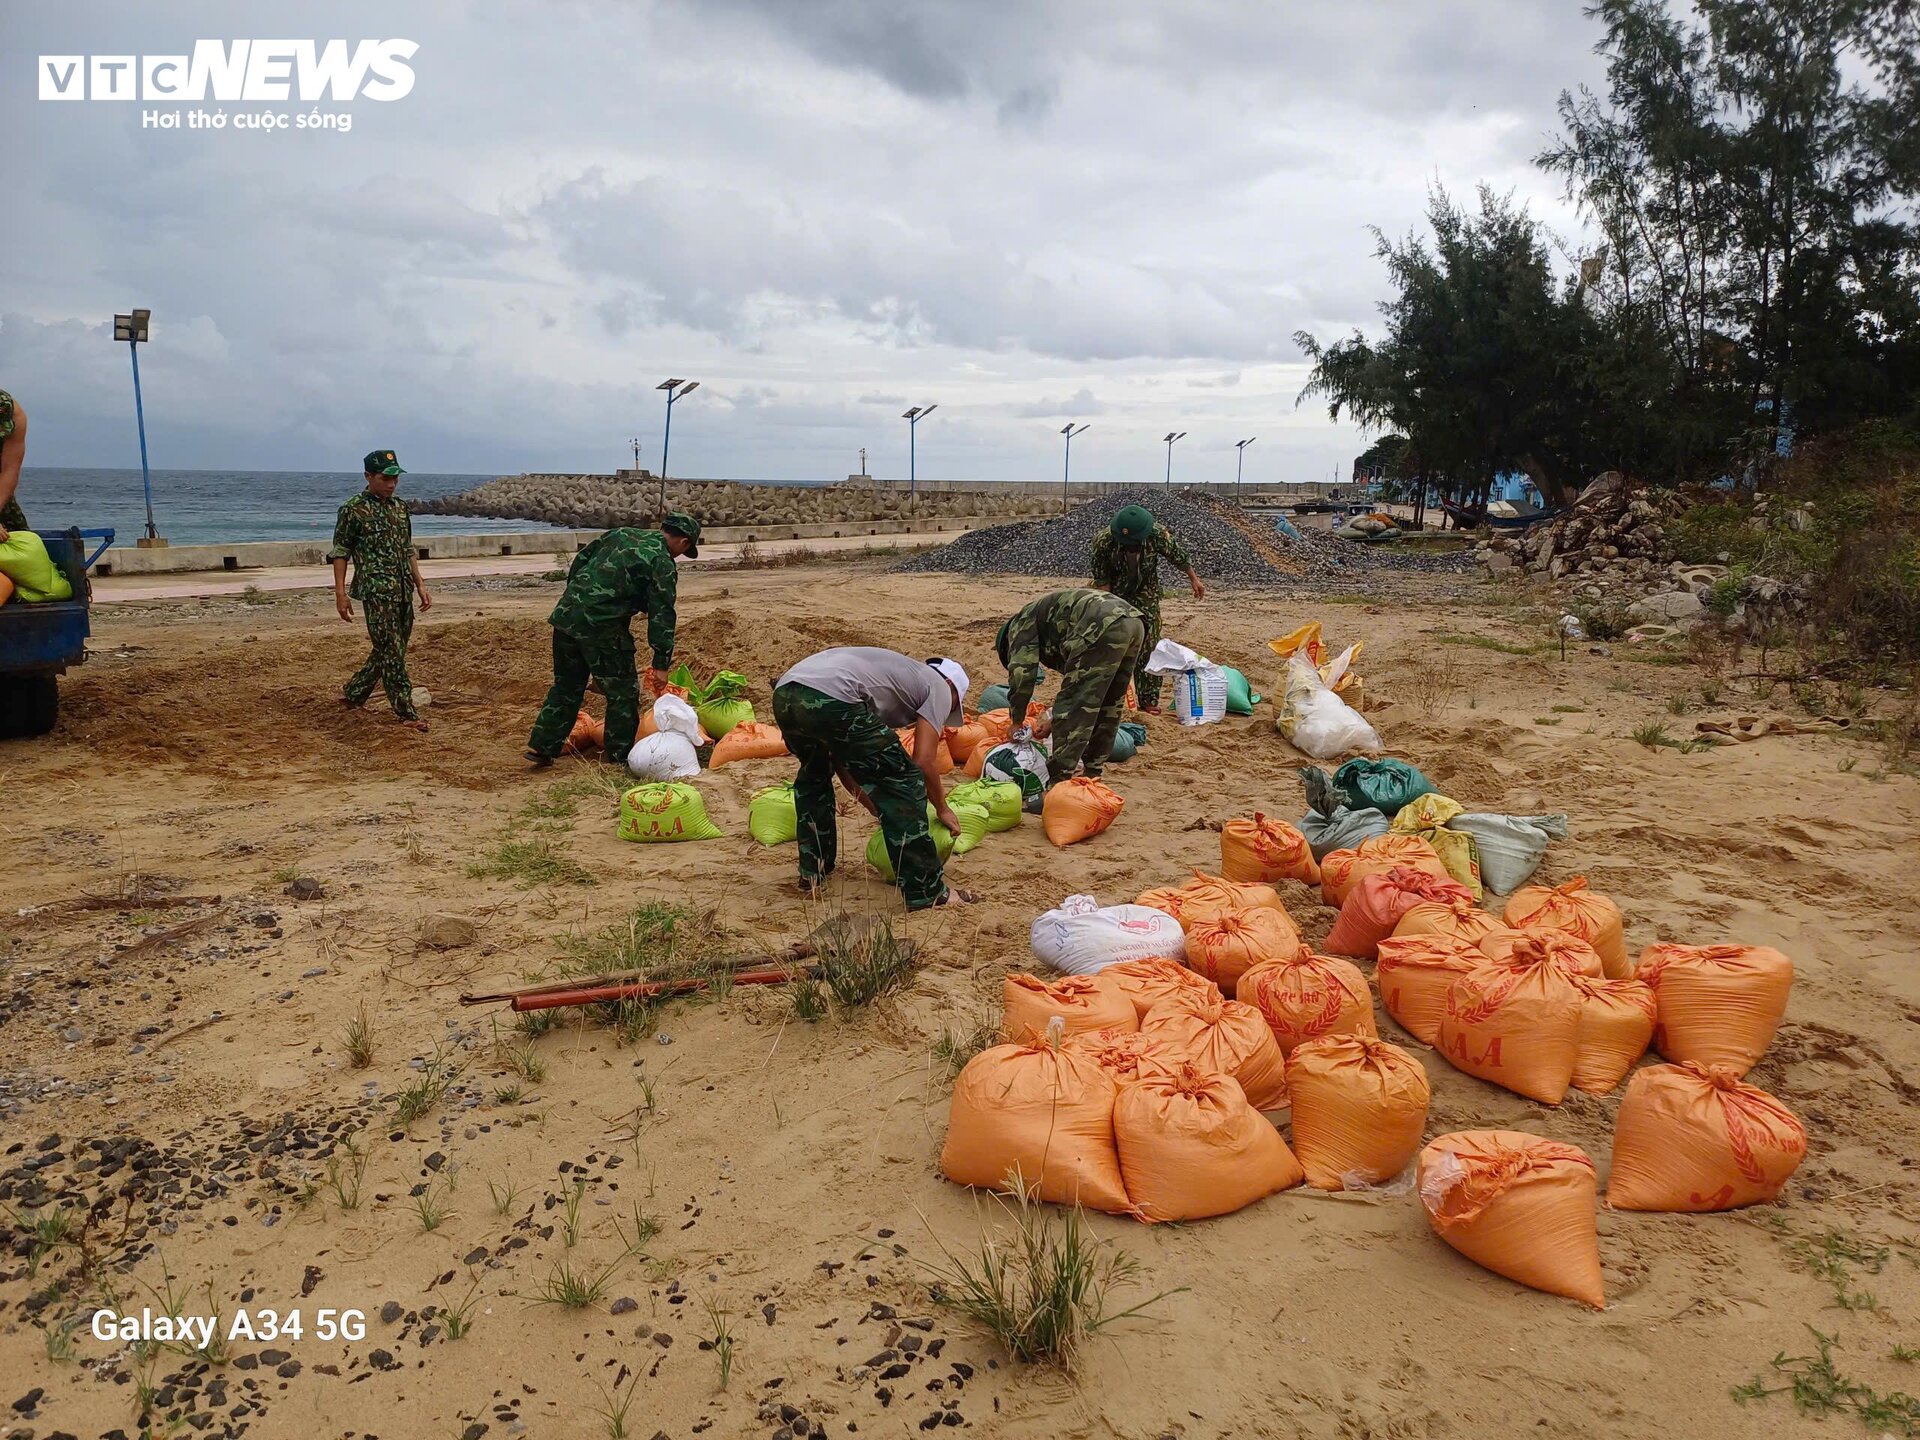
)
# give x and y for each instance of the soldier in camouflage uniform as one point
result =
(1095, 640)
(1126, 561)
(13, 453)
(625, 572)
(375, 532)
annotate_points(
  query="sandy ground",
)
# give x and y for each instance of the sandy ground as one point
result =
(177, 1073)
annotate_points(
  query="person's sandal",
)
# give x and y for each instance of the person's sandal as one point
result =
(954, 896)
(416, 724)
(536, 759)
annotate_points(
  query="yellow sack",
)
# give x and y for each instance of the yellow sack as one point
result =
(665, 811)
(24, 560)
(1427, 817)
(1337, 674)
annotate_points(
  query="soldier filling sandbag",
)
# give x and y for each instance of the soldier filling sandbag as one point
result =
(1096, 641)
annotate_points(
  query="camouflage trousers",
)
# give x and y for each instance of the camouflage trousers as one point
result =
(389, 627)
(1092, 698)
(12, 517)
(603, 655)
(1146, 688)
(827, 736)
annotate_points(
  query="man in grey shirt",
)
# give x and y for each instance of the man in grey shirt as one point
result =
(837, 711)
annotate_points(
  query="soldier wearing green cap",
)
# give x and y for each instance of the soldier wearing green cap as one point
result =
(1095, 640)
(1126, 561)
(375, 532)
(625, 572)
(13, 454)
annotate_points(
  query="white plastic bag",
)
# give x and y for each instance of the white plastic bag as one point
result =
(664, 756)
(674, 716)
(1170, 655)
(1317, 721)
(1082, 937)
(1511, 846)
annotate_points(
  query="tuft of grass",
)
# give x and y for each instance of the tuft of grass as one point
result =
(357, 1038)
(48, 1228)
(1487, 642)
(954, 1046)
(574, 1289)
(436, 1077)
(638, 1233)
(345, 1177)
(861, 961)
(458, 1318)
(431, 1205)
(1653, 735)
(614, 1411)
(522, 1059)
(1567, 709)
(808, 997)
(1819, 1389)
(1833, 1257)
(286, 875)
(529, 863)
(59, 1339)
(1678, 704)
(721, 1341)
(1044, 1286)
(576, 1193)
(504, 1194)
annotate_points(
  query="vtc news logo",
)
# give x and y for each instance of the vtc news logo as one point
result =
(239, 70)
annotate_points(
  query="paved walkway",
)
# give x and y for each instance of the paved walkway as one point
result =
(114, 589)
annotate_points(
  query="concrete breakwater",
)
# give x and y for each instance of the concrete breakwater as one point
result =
(633, 498)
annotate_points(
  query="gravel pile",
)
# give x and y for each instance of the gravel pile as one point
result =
(1228, 548)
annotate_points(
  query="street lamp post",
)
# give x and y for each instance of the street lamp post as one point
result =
(132, 328)
(1069, 430)
(677, 390)
(635, 442)
(1239, 462)
(1171, 437)
(913, 418)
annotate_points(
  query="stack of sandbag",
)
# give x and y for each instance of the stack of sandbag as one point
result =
(1080, 936)
(1695, 1138)
(1222, 1037)
(749, 740)
(1519, 1205)
(1002, 800)
(1150, 982)
(1126, 1055)
(1427, 818)
(1383, 784)
(1341, 870)
(1359, 1106)
(1515, 1024)
(1414, 973)
(1224, 948)
(1375, 907)
(1020, 762)
(1305, 996)
(1716, 1004)
(1510, 847)
(1575, 909)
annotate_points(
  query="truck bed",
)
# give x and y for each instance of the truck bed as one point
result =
(46, 638)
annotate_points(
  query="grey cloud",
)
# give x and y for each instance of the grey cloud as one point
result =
(1081, 402)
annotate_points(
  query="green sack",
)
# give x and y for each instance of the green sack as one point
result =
(24, 560)
(717, 717)
(665, 811)
(1388, 786)
(943, 844)
(1128, 738)
(973, 825)
(771, 816)
(1240, 696)
(1000, 799)
(994, 697)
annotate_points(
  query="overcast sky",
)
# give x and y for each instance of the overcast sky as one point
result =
(824, 210)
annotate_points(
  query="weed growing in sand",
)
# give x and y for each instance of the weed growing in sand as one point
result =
(1818, 1387)
(529, 863)
(1044, 1289)
(436, 1077)
(1678, 704)
(504, 1194)
(1905, 1354)
(1567, 709)
(614, 1412)
(286, 875)
(574, 1289)
(522, 1059)
(953, 1048)
(458, 1318)
(1547, 720)
(649, 1097)
(721, 1341)
(509, 1094)
(1653, 735)
(1487, 642)
(639, 1232)
(1429, 688)
(570, 1227)
(48, 1228)
(59, 1339)
(346, 1176)
(1834, 1257)
(807, 997)
(1709, 694)
(656, 937)
(431, 1205)
(357, 1039)
(861, 962)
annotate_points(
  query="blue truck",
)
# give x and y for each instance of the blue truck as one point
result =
(38, 642)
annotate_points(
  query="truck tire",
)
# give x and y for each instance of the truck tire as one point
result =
(30, 707)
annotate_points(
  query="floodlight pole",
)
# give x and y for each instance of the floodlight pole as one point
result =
(1066, 498)
(677, 390)
(1240, 446)
(132, 328)
(913, 418)
(1171, 437)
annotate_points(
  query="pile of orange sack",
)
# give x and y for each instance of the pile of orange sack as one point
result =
(1155, 1085)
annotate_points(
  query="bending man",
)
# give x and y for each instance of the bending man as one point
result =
(1095, 640)
(838, 710)
(626, 572)
(1126, 560)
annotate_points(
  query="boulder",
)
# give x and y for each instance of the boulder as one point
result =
(1670, 607)
(448, 932)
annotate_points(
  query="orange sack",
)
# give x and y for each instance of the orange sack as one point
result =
(1515, 1025)
(1148, 982)
(1379, 902)
(1616, 1023)
(1413, 975)
(1569, 952)
(1223, 1037)
(1043, 1111)
(1359, 1105)
(1718, 1004)
(1084, 1002)
(588, 733)
(1453, 919)
(1208, 897)
(943, 758)
(1126, 1055)
(1266, 850)
(1341, 870)
(1078, 809)
(749, 740)
(7, 588)
(1225, 949)
(1308, 995)
(1191, 1146)
(1574, 908)
(1521, 1206)
(1694, 1138)
(963, 740)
